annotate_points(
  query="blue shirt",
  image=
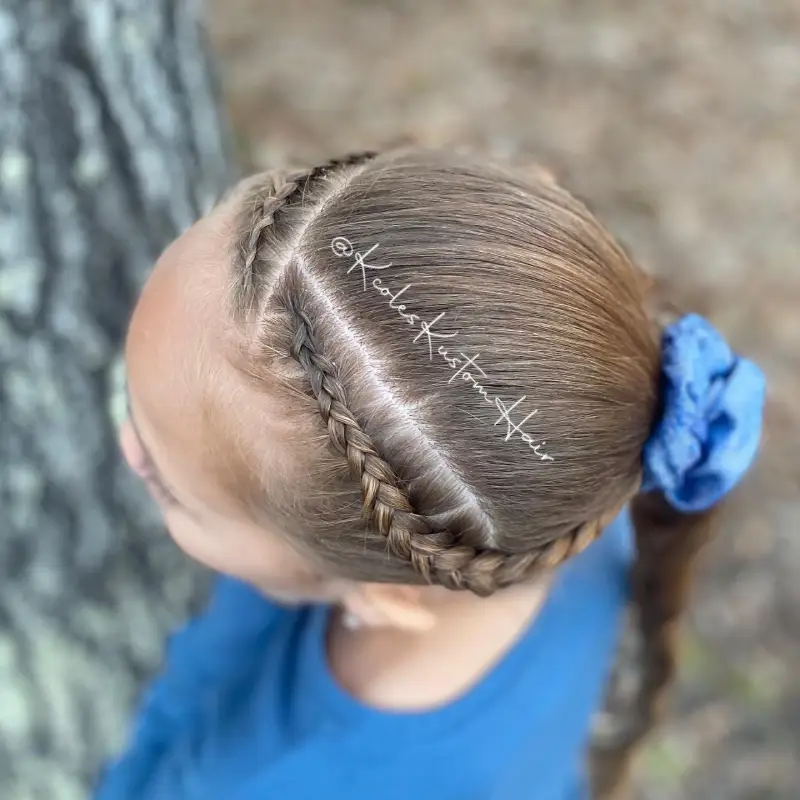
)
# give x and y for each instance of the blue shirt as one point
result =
(247, 708)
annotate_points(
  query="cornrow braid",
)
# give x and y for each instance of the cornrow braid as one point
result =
(281, 195)
(435, 554)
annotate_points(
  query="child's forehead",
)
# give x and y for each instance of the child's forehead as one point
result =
(182, 306)
(177, 331)
(179, 358)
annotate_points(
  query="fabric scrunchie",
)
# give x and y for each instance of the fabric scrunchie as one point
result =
(712, 413)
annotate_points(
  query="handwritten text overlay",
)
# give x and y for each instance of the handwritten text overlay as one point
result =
(344, 249)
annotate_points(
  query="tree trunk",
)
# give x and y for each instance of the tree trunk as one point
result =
(110, 145)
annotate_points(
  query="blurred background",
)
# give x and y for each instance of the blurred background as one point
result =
(677, 122)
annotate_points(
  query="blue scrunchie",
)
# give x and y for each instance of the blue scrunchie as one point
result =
(710, 427)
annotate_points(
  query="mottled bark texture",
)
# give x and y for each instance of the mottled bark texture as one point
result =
(110, 145)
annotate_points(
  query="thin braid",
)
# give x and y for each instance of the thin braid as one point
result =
(281, 195)
(435, 554)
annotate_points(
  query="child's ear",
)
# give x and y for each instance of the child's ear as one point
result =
(389, 605)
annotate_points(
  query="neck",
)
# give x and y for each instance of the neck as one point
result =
(382, 666)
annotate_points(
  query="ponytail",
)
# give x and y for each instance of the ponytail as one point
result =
(705, 439)
(667, 545)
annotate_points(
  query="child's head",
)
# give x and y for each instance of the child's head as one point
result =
(259, 326)
(415, 368)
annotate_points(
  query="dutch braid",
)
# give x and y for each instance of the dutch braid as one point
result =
(435, 554)
(280, 195)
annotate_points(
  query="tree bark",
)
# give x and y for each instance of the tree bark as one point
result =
(110, 145)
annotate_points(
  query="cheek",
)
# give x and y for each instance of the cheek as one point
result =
(253, 556)
(208, 546)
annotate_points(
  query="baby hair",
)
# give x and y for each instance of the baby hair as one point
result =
(473, 366)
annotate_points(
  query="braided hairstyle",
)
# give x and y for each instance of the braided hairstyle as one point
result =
(434, 552)
(417, 479)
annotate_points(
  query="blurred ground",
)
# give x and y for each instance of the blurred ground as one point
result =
(679, 123)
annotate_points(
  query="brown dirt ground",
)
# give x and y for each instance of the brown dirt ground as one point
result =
(680, 124)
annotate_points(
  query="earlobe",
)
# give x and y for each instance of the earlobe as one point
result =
(389, 605)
